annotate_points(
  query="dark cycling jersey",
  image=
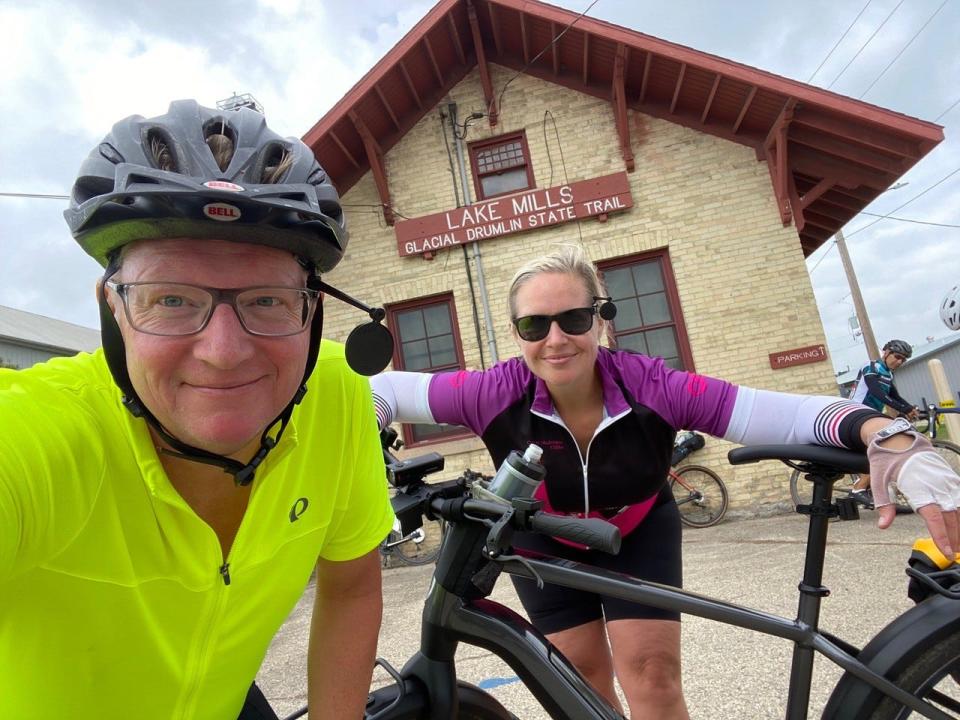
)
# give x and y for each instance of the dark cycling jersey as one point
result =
(875, 388)
(644, 402)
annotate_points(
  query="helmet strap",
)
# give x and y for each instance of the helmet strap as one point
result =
(116, 356)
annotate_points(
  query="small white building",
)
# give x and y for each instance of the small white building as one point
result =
(27, 339)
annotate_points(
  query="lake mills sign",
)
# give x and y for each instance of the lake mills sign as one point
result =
(509, 214)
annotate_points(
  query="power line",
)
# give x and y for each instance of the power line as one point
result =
(955, 103)
(888, 217)
(862, 47)
(903, 49)
(849, 27)
(537, 56)
(909, 220)
(833, 244)
(915, 197)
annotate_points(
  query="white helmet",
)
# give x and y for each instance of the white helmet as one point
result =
(950, 308)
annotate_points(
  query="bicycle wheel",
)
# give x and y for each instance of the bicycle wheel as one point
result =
(422, 548)
(706, 503)
(475, 704)
(949, 452)
(922, 661)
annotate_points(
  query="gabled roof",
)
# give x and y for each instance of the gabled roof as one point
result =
(26, 328)
(829, 155)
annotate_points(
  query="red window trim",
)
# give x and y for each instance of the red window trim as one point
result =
(476, 145)
(392, 310)
(673, 299)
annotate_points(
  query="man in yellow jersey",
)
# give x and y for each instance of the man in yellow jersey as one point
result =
(165, 501)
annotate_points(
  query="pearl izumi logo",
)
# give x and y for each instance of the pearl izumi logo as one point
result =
(298, 509)
(223, 212)
(223, 185)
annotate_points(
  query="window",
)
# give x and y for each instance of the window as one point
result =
(426, 340)
(648, 308)
(501, 165)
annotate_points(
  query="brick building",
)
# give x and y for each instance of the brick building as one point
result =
(698, 186)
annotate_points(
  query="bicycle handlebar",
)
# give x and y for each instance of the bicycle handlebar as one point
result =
(592, 532)
(525, 515)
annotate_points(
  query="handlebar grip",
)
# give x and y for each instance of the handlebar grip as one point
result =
(595, 533)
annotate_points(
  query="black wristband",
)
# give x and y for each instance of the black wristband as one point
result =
(849, 430)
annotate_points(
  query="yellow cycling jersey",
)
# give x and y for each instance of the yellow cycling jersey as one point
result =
(115, 599)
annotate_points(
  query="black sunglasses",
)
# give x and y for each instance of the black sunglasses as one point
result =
(573, 322)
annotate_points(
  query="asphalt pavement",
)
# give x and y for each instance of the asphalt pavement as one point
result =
(728, 672)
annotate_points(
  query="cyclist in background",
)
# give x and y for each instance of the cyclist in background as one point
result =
(875, 389)
(606, 420)
(165, 500)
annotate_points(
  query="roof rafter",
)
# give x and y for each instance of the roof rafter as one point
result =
(619, 97)
(455, 37)
(818, 164)
(743, 110)
(386, 105)
(410, 85)
(646, 77)
(815, 192)
(555, 49)
(524, 43)
(846, 149)
(586, 58)
(709, 103)
(485, 81)
(433, 60)
(375, 159)
(866, 136)
(676, 89)
(343, 148)
(494, 25)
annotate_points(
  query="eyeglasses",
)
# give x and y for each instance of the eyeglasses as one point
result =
(160, 308)
(898, 356)
(573, 322)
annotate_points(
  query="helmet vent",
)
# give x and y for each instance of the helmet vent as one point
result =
(276, 163)
(109, 152)
(221, 140)
(161, 155)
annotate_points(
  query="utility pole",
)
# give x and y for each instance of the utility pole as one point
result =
(869, 340)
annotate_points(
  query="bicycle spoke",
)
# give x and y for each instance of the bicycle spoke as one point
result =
(700, 495)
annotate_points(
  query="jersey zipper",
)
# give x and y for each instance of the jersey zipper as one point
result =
(584, 461)
(200, 656)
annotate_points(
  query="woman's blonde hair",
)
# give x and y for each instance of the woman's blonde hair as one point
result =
(568, 260)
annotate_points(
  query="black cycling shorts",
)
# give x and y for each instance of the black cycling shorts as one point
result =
(651, 552)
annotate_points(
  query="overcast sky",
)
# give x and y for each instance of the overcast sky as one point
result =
(69, 70)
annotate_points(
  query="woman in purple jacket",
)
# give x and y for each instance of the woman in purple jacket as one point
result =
(606, 421)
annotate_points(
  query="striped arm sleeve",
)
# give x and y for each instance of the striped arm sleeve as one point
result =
(763, 417)
(401, 397)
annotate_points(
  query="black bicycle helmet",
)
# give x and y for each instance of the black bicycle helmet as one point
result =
(900, 347)
(160, 178)
(206, 174)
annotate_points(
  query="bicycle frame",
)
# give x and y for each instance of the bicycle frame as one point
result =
(456, 610)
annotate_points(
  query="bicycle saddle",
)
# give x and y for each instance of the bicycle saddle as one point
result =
(831, 458)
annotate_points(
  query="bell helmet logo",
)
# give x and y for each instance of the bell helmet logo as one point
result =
(223, 212)
(223, 185)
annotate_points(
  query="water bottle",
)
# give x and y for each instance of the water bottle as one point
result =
(518, 476)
